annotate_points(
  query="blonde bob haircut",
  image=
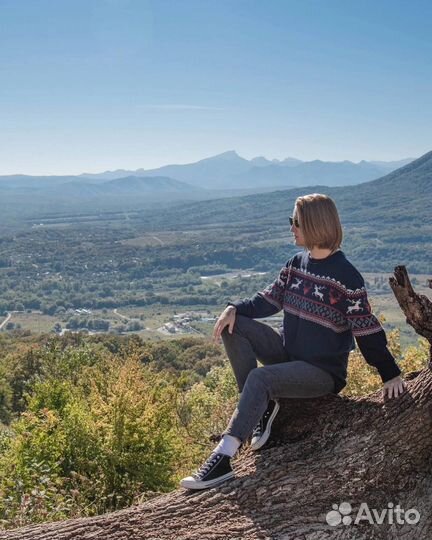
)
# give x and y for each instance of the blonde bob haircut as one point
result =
(319, 221)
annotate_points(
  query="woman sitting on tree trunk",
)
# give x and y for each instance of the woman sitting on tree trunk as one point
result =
(325, 306)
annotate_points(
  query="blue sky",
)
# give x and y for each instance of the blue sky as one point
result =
(91, 85)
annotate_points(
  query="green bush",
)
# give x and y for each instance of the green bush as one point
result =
(93, 438)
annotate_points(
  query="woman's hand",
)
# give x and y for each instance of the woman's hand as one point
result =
(226, 318)
(394, 387)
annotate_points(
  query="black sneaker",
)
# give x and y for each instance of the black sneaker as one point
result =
(261, 433)
(214, 471)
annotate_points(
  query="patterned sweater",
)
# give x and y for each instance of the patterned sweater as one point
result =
(325, 306)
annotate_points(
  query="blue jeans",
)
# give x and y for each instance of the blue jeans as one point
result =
(280, 376)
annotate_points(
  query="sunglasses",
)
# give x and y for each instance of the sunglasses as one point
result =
(294, 222)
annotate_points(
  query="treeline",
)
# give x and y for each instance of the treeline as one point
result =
(52, 268)
(133, 282)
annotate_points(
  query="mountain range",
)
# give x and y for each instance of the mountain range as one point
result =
(401, 196)
(386, 222)
(228, 169)
(24, 196)
(225, 171)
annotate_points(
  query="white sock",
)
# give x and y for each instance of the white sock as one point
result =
(228, 445)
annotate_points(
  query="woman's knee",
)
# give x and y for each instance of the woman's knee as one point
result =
(257, 377)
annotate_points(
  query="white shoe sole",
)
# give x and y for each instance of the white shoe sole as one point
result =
(264, 438)
(190, 482)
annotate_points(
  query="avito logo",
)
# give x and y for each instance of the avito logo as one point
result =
(392, 514)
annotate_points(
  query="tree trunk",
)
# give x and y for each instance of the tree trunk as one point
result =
(417, 307)
(323, 452)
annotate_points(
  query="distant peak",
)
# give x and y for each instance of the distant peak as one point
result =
(291, 160)
(230, 155)
(260, 160)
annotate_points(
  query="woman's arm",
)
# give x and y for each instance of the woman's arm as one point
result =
(256, 307)
(262, 304)
(374, 349)
(371, 338)
(267, 302)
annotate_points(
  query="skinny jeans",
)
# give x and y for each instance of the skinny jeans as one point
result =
(281, 376)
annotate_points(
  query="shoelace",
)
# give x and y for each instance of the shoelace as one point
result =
(205, 467)
(259, 428)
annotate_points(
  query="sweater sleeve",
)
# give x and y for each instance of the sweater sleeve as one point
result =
(375, 351)
(267, 302)
(369, 333)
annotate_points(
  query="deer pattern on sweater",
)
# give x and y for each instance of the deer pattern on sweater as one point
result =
(323, 300)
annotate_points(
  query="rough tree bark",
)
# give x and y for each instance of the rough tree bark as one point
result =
(323, 452)
(417, 307)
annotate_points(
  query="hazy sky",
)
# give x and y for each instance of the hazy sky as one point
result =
(91, 85)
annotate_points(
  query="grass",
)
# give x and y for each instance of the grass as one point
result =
(38, 323)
